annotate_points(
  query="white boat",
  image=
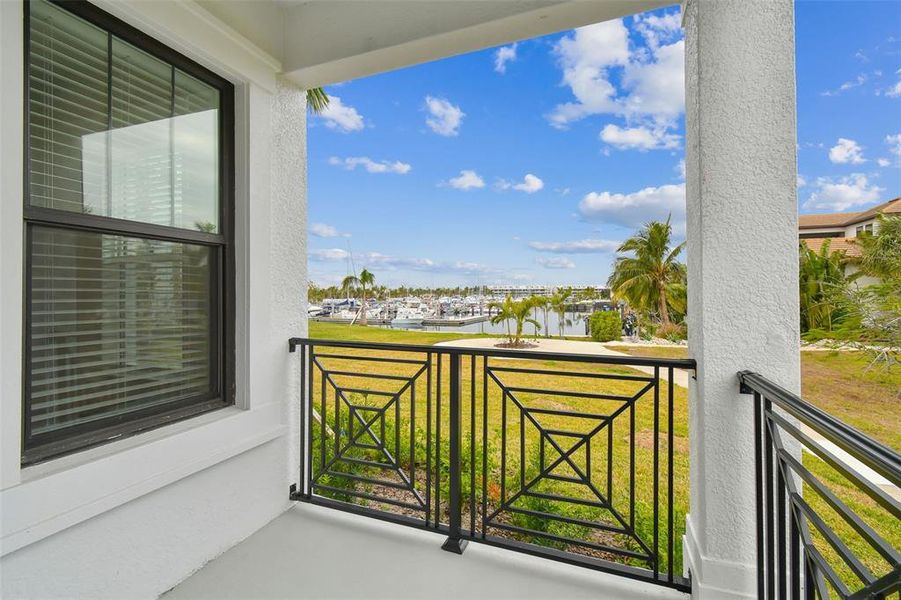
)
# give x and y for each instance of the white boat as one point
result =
(408, 317)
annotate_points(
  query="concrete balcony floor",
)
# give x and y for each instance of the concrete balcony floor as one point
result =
(315, 552)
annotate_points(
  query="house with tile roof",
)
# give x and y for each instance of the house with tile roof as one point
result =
(842, 229)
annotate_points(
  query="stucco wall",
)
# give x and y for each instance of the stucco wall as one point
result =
(742, 264)
(133, 518)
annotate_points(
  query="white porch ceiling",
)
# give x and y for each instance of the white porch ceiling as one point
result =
(319, 42)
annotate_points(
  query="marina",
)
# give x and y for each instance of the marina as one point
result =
(470, 314)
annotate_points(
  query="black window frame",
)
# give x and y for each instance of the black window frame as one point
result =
(222, 274)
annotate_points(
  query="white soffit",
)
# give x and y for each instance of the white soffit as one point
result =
(329, 41)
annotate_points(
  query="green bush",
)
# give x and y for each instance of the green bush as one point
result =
(674, 332)
(605, 326)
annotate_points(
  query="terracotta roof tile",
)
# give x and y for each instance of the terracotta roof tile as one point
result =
(846, 245)
(848, 218)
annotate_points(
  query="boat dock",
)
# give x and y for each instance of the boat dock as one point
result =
(434, 322)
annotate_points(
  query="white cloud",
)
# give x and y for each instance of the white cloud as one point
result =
(576, 247)
(651, 93)
(323, 230)
(330, 254)
(467, 180)
(894, 144)
(637, 208)
(502, 56)
(680, 169)
(445, 118)
(656, 87)
(843, 193)
(529, 184)
(846, 151)
(555, 262)
(801, 181)
(585, 57)
(640, 138)
(372, 166)
(894, 91)
(340, 117)
(857, 82)
(883, 162)
(392, 263)
(657, 29)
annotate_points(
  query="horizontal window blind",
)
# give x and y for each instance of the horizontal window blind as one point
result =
(117, 132)
(118, 325)
(126, 313)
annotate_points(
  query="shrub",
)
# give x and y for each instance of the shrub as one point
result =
(605, 326)
(674, 332)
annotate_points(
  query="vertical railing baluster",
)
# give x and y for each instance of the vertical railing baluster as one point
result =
(484, 443)
(302, 476)
(656, 471)
(781, 515)
(428, 440)
(768, 509)
(669, 476)
(758, 492)
(472, 445)
(454, 543)
(795, 533)
(308, 360)
(438, 402)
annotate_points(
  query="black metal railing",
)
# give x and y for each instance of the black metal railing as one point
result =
(826, 527)
(578, 458)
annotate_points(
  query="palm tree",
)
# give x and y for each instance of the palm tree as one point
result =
(822, 286)
(504, 313)
(558, 303)
(518, 311)
(367, 280)
(544, 303)
(317, 100)
(881, 251)
(647, 278)
(363, 282)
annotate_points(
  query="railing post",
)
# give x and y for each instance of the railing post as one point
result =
(454, 509)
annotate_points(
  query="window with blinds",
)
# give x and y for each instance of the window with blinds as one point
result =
(127, 204)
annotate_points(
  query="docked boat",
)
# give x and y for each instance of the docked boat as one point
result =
(408, 317)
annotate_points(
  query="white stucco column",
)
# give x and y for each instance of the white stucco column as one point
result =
(288, 249)
(742, 264)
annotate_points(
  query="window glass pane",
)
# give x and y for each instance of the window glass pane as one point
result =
(141, 138)
(116, 132)
(195, 143)
(68, 99)
(120, 328)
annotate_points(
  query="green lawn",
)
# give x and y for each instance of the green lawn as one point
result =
(837, 383)
(832, 380)
(527, 455)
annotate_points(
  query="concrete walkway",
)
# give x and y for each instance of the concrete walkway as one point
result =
(680, 376)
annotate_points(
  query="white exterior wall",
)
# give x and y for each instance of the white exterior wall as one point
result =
(742, 265)
(132, 518)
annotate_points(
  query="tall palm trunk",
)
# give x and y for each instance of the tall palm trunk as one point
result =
(547, 333)
(363, 308)
(662, 307)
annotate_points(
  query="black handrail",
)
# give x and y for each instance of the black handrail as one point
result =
(401, 432)
(640, 361)
(789, 555)
(872, 453)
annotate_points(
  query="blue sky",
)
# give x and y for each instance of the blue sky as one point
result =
(529, 163)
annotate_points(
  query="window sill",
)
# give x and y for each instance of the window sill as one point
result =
(60, 493)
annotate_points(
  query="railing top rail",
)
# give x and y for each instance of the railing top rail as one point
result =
(872, 453)
(641, 361)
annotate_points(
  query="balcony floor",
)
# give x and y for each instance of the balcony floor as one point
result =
(315, 552)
